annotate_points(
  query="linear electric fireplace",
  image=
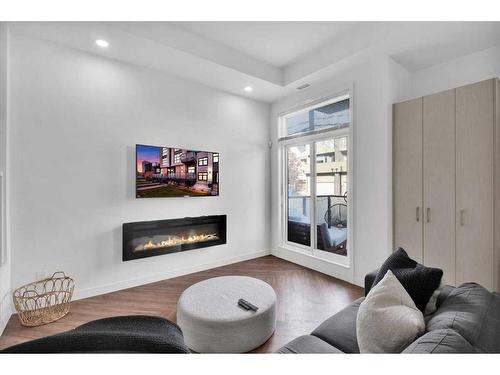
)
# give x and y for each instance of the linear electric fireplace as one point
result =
(149, 238)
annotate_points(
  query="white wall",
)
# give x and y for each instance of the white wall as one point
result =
(75, 119)
(475, 67)
(5, 258)
(400, 86)
(374, 93)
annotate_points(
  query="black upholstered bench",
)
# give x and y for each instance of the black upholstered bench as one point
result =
(121, 334)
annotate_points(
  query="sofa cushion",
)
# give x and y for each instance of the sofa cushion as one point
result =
(388, 320)
(443, 293)
(419, 281)
(340, 329)
(474, 313)
(308, 344)
(440, 341)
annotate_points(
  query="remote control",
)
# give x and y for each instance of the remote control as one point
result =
(243, 305)
(247, 305)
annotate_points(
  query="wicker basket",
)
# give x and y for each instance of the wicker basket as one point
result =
(44, 301)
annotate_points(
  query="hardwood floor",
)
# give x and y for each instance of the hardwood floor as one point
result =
(305, 299)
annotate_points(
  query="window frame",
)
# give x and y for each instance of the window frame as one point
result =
(282, 131)
(311, 137)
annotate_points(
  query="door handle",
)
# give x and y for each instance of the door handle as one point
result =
(428, 211)
(418, 214)
(462, 218)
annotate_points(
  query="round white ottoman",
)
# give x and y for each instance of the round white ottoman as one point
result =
(212, 322)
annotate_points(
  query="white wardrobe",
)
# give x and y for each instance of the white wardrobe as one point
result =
(446, 182)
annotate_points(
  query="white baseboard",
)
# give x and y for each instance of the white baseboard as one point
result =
(317, 264)
(103, 289)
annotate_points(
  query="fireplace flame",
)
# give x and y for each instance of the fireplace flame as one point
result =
(176, 241)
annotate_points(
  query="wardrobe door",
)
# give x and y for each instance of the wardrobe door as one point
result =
(439, 182)
(407, 177)
(474, 184)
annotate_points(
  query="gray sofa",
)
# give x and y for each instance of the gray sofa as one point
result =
(467, 321)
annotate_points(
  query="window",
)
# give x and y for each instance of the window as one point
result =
(191, 169)
(164, 156)
(202, 176)
(331, 204)
(316, 179)
(203, 161)
(343, 184)
(177, 156)
(299, 194)
(215, 158)
(332, 115)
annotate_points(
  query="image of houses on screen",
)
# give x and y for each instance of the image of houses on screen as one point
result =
(175, 172)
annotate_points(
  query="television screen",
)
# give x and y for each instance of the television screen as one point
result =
(175, 172)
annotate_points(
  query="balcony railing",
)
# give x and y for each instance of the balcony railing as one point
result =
(299, 207)
(333, 238)
(188, 157)
(328, 167)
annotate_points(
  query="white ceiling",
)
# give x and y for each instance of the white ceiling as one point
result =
(276, 43)
(272, 57)
(442, 41)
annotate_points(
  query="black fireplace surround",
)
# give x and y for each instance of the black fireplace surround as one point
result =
(150, 238)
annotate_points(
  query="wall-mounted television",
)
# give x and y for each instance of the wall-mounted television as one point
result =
(163, 172)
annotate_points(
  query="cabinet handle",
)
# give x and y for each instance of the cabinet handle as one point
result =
(418, 214)
(461, 218)
(428, 214)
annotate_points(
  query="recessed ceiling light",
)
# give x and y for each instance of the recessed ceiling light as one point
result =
(248, 89)
(102, 43)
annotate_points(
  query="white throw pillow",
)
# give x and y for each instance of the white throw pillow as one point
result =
(388, 320)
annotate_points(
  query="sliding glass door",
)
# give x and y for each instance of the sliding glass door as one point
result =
(299, 194)
(316, 218)
(331, 204)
